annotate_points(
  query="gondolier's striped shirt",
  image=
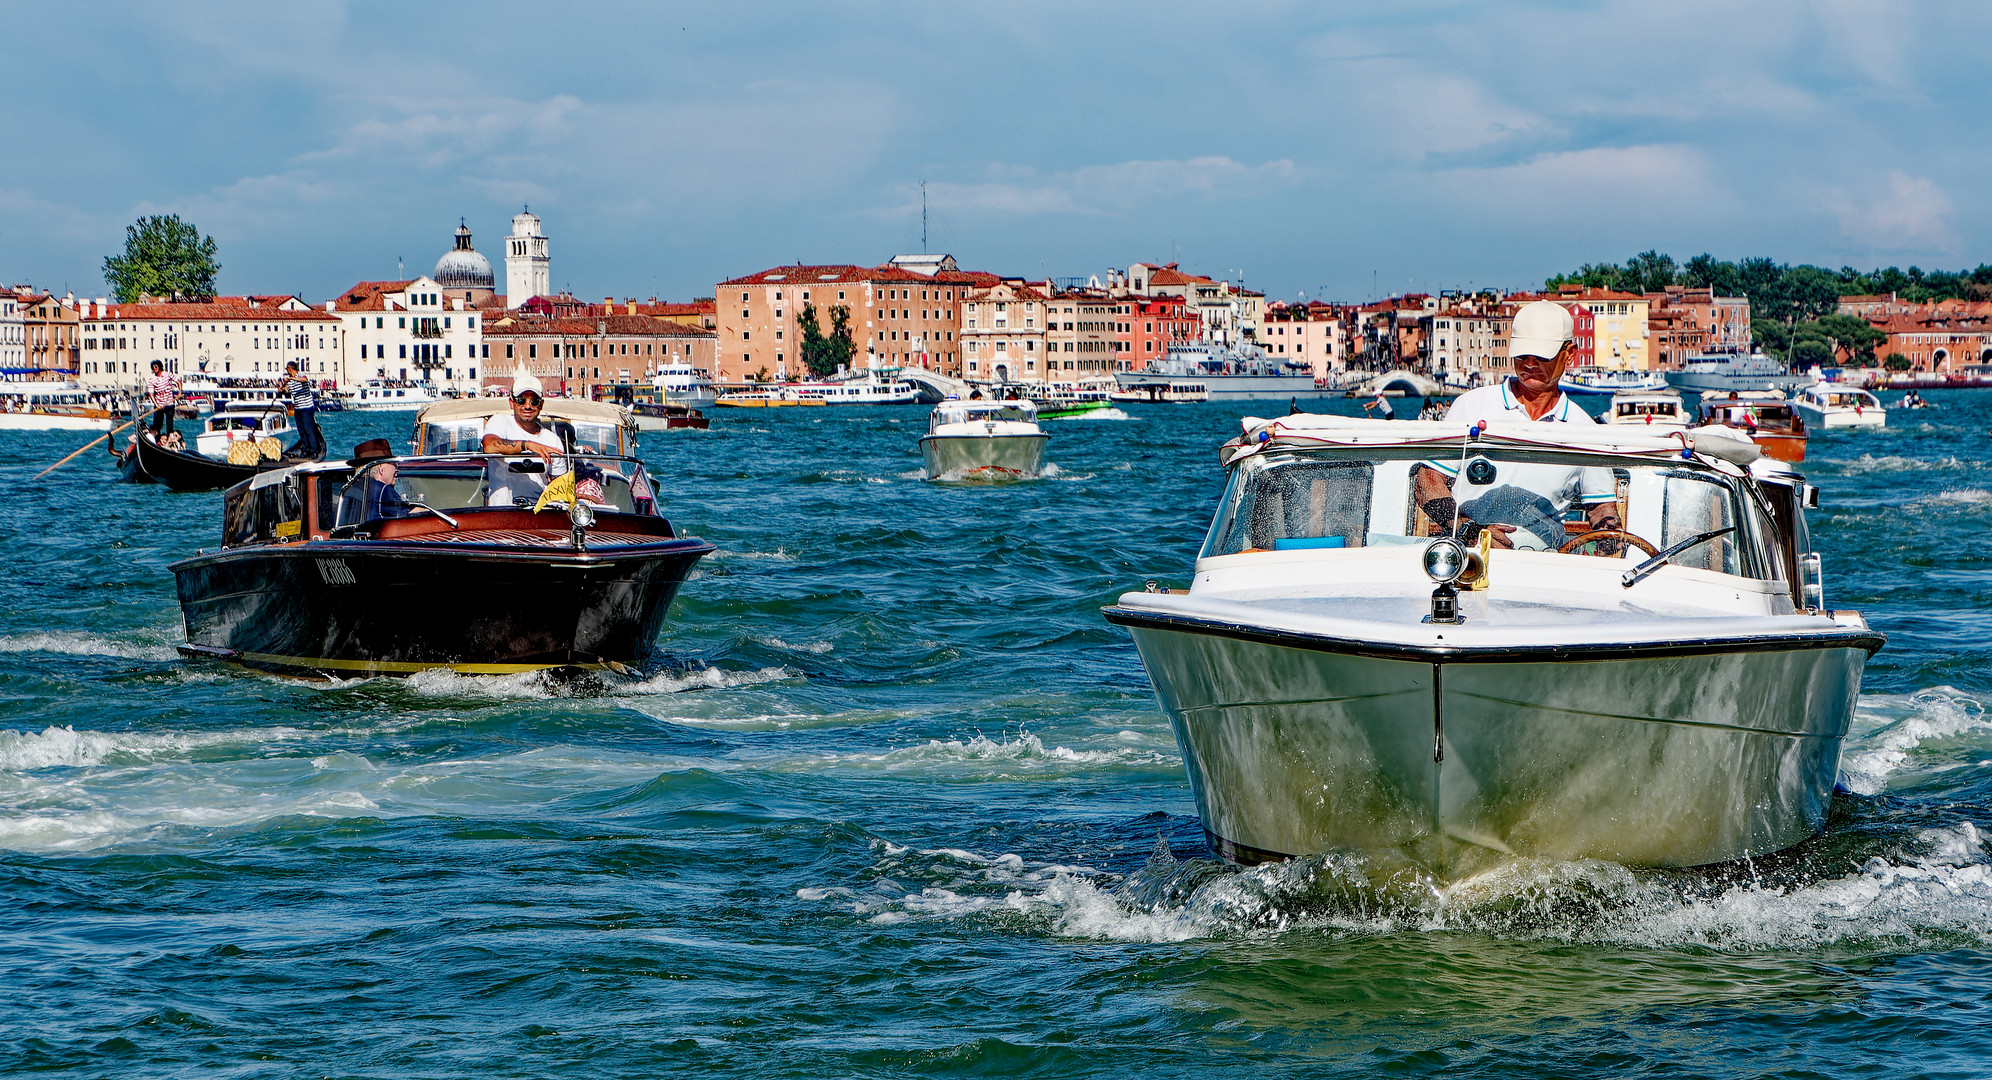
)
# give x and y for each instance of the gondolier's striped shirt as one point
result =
(299, 391)
(160, 388)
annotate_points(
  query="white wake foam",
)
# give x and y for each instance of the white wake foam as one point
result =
(1889, 728)
(71, 643)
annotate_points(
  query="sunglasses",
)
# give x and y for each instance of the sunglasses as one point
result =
(527, 398)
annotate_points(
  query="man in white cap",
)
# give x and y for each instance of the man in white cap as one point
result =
(521, 433)
(1539, 344)
(1523, 504)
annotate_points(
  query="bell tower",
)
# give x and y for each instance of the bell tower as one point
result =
(527, 271)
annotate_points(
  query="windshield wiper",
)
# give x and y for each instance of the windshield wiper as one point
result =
(425, 506)
(1646, 569)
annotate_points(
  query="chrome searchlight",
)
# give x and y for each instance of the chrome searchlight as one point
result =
(1447, 561)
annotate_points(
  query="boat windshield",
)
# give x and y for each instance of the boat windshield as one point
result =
(395, 488)
(466, 436)
(1376, 497)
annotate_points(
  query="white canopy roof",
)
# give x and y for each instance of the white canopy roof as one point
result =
(1316, 429)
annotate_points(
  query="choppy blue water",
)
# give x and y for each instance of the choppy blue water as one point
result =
(891, 806)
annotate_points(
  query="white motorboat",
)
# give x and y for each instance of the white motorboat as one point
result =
(983, 440)
(1600, 380)
(1680, 703)
(1175, 391)
(51, 406)
(224, 429)
(1837, 405)
(382, 395)
(1659, 409)
(865, 387)
(682, 384)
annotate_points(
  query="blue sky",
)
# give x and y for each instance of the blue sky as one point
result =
(1326, 150)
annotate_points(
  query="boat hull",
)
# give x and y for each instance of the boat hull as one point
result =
(1452, 767)
(982, 455)
(1705, 383)
(1841, 418)
(1229, 387)
(35, 421)
(349, 608)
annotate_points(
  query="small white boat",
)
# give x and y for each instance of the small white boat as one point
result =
(1657, 409)
(1598, 380)
(223, 429)
(860, 388)
(381, 395)
(1356, 668)
(1063, 401)
(1178, 391)
(983, 440)
(51, 406)
(1836, 405)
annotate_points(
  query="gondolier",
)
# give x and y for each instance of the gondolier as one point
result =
(303, 400)
(163, 391)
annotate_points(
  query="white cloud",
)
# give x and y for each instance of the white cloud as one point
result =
(1614, 180)
(1105, 189)
(1912, 213)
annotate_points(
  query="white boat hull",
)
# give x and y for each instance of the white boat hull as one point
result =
(1816, 417)
(1665, 759)
(54, 422)
(982, 456)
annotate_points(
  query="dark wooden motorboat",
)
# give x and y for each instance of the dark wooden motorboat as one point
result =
(406, 564)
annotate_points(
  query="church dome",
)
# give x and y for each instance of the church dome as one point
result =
(462, 267)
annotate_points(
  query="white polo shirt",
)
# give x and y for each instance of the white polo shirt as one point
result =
(504, 485)
(1497, 402)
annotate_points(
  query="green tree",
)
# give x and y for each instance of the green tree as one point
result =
(1896, 362)
(815, 347)
(841, 346)
(1771, 336)
(1857, 336)
(163, 257)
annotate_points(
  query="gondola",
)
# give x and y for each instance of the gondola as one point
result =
(144, 459)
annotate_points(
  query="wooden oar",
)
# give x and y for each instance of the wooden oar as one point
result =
(93, 442)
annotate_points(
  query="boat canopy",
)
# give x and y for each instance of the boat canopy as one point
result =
(451, 427)
(1316, 429)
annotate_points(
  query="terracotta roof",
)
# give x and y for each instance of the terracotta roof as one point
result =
(845, 273)
(199, 312)
(370, 295)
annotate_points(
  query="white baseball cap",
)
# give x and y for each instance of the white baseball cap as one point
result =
(523, 382)
(1541, 329)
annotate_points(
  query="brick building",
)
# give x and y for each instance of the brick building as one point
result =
(231, 338)
(573, 355)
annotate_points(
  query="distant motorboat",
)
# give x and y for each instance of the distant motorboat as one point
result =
(1598, 380)
(769, 398)
(1837, 405)
(1766, 416)
(1658, 409)
(983, 440)
(866, 387)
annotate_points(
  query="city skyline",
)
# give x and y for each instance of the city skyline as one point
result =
(1340, 155)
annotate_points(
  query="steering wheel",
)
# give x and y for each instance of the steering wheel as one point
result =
(1581, 539)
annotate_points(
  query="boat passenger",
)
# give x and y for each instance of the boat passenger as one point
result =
(1523, 505)
(521, 433)
(379, 490)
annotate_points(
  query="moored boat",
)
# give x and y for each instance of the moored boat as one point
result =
(383, 395)
(983, 440)
(1357, 668)
(1221, 374)
(668, 416)
(1836, 405)
(1720, 373)
(776, 397)
(389, 566)
(51, 406)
